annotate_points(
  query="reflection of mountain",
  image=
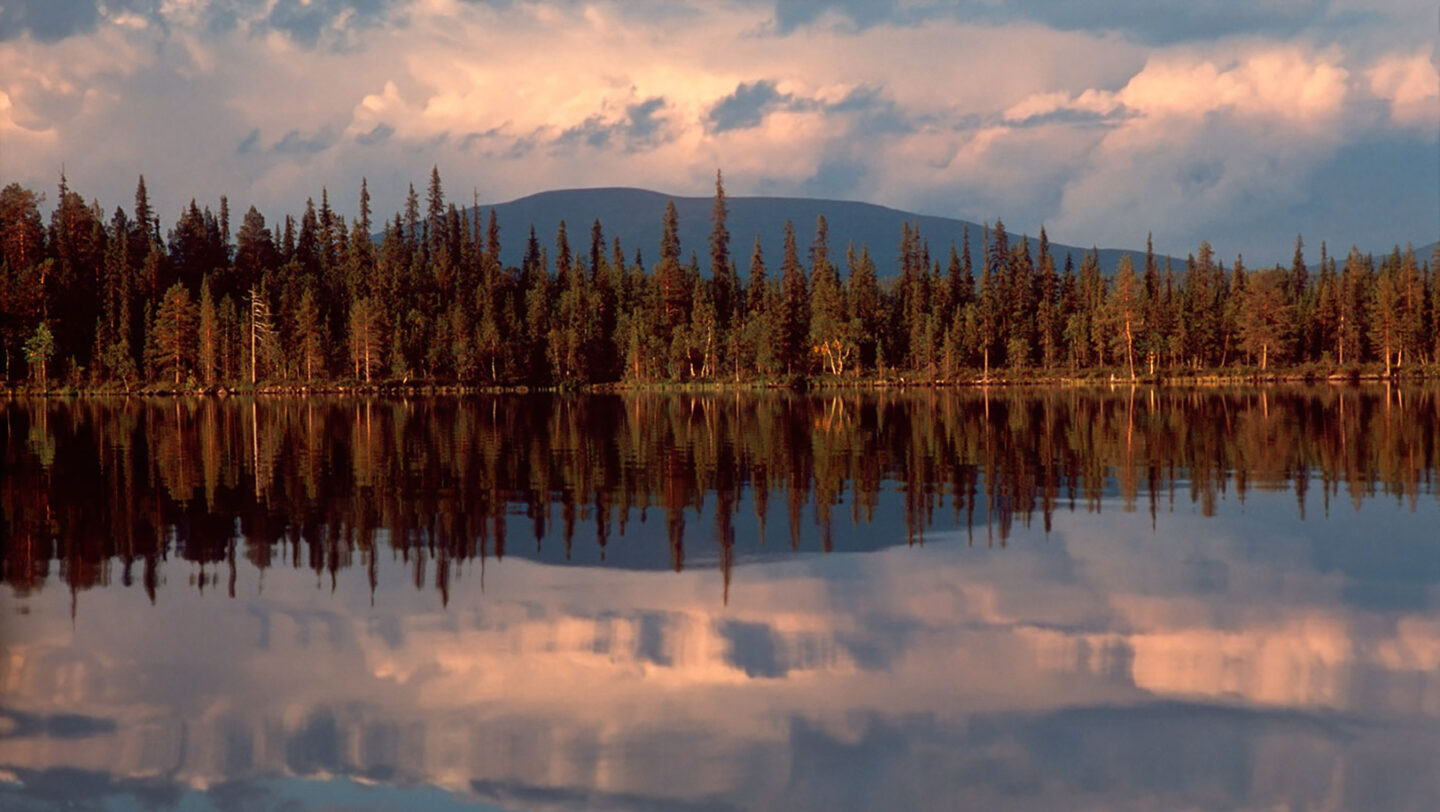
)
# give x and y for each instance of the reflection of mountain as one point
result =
(1103, 667)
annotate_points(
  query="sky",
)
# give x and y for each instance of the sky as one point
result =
(1242, 122)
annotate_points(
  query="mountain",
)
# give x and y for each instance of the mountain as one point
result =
(634, 215)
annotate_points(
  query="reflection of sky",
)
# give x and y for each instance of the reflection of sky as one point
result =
(1242, 660)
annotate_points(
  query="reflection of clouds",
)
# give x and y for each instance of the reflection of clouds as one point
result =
(1080, 667)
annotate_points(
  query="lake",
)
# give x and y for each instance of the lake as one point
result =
(1060, 598)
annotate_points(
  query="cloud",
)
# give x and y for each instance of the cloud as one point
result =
(311, 22)
(637, 129)
(793, 14)
(899, 103)
(379, 135)
(1154, 22)
(1199, 143)
(1410, 85)
(643, 125)
(249, 143)
(298, 143)
(746, 107)
(47, 20)
(1164, 22)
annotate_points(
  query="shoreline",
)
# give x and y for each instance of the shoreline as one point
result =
(1351, 377)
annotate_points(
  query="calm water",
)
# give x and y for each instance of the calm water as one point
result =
(1033, 599)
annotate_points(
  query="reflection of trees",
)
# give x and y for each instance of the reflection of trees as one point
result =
(330, 484)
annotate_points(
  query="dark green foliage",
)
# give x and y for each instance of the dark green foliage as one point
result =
(793, 318)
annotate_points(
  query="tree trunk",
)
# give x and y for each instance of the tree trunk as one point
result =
(1129, 349)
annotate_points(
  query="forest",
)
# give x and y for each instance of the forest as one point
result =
(118, 303)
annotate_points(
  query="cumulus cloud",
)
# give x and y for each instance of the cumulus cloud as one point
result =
(1219, 145)
(1410, 84)
(1103, 123)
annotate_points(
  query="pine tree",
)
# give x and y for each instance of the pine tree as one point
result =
(307, 243)
(1230, 307)
(412, 218)
(1356, 291)
(1021, 343)
(435, 213)
(76, 246)
(722, 272)
(310, 336)
(366, 339)
(757, 334)
(1153, 338)
(1266, 314)
(1432, 283)
(1125, 310)
(22, 232)
(326, 249)
(228, 328)
(866, 304)
(146, 233)
(563, 263)
(127, 328)
(674, 295)
(1074, 330)
(1325, 331)
(1092, 308)
(254, 249)
(209, 336)
(1411, 297)
(574, 332)
(794, 315)
(991, 306)
(1203, 306)
(39, 349)
(831, 331)
(263, 339)
(913, 291)
(1301, 299)
(1048, 325)
(173, 335)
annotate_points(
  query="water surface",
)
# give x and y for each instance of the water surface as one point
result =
(1029, 599)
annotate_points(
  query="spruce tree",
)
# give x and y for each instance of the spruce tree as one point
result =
(209, 336)
(794, 315)
(866, 304)
(722, 272)
(173, 335)
(674, 293)
(1266, 312)
(830, 329)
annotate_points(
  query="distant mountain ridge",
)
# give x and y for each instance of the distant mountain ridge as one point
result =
(635, 216)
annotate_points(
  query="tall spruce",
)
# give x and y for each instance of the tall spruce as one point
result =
(794, 315)
(722, 271)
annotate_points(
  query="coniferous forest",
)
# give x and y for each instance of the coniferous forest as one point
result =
(117, 301)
